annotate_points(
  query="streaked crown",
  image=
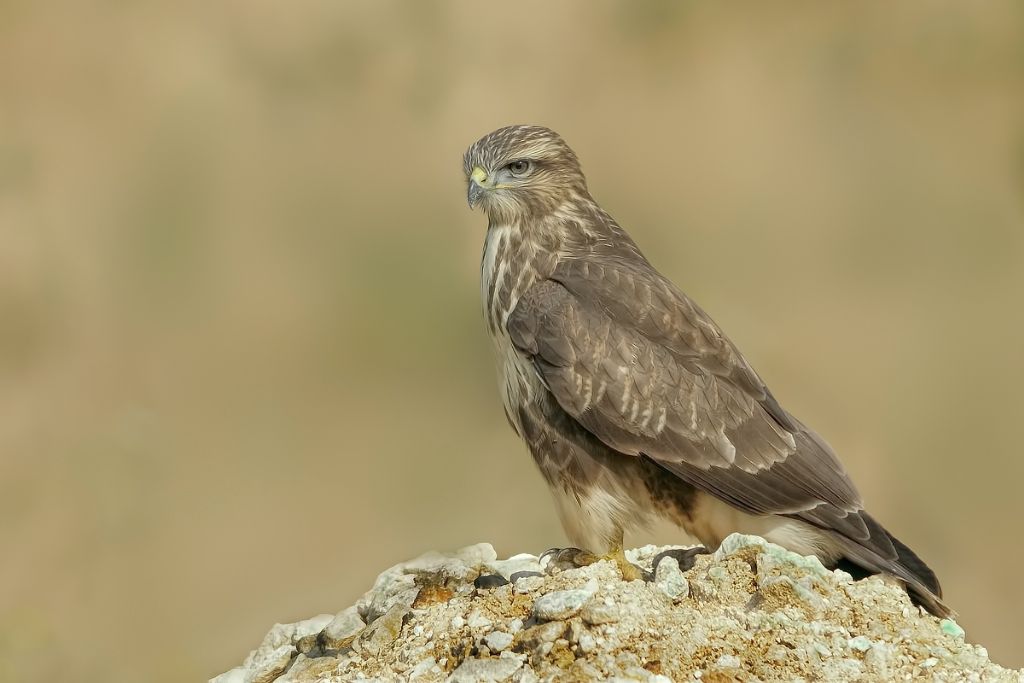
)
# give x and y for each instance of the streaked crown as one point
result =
(522, 170)
(514, 142)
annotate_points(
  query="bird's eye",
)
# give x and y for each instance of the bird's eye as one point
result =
(520, 167)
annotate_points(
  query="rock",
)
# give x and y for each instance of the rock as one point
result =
(848, 669)
(305, 633)
(496, 641)
(860, 643)
(265, 665)
(878, 659)
(494, 669)
(236, 675)
(381, 632)
(562, 604)
(395, 589)
(429, 620)
(600, 612)
(728, 662)
(739, 544)
(267, 662)
(342, 629)
(783, 590)
(525, 675)
(952, 628)
(476, 555)
(477, 620)
(528, 582)
(517, 563)
(305, 668)
(402, 582)
(670, 580)
(540, 635)
(489, 581)
(425, 669)
(587, 643)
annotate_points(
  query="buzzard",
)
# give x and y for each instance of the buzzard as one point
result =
(632, 401)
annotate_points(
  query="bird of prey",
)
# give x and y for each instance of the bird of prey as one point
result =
(632, 401)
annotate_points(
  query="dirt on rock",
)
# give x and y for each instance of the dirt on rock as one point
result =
(751, 611)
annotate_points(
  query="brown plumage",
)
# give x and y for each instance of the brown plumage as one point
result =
(632, 401)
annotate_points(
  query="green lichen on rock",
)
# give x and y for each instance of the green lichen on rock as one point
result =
(952, 628)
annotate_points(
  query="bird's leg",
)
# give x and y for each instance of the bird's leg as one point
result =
(574, 557)
(630, 572)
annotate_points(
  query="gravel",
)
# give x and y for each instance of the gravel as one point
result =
(751, 611)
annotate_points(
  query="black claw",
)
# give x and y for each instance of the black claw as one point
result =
(568, 558)
(686, 557)
(646, 576)
(489, 581)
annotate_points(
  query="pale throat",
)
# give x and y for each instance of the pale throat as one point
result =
(517, 253)
(500, 270)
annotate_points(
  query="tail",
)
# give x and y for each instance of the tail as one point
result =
(874, 557)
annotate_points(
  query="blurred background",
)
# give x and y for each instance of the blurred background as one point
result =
(242, 363)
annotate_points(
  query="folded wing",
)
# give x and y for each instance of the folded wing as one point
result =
(647, 372)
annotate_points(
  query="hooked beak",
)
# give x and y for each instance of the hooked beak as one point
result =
(478, 185)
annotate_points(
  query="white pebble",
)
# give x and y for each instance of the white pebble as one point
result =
(728, 661)
(497, 641)
(478, 620)
(561, 604)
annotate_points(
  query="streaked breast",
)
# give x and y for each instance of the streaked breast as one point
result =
(506, 271)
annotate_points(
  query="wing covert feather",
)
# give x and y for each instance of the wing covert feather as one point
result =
(658, 379)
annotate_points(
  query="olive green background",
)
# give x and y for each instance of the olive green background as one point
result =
(242, 365)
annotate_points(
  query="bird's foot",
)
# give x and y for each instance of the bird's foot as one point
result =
(630, 572)
(568, 558)
(573, 558)
(686, 557)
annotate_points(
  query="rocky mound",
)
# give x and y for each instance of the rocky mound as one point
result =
(751, 611)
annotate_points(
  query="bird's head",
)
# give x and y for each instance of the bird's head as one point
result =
(521, 171)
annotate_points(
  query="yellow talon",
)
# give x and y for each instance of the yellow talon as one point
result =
(630, 572)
